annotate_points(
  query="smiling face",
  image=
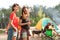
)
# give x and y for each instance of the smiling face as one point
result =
(16, 8)
(25, 13)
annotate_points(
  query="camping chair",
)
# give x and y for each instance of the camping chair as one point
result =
(48, 34)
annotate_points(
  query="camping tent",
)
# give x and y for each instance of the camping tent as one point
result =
(43, 22)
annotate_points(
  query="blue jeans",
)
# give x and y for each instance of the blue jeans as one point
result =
(10, 33)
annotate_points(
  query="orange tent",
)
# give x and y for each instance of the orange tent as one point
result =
(39, 25)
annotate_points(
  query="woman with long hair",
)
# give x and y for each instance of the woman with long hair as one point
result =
(24, 23)
(13, 23)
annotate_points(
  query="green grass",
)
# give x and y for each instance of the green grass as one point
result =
(1, 31)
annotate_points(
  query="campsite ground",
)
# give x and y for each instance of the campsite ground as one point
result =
(3, 36)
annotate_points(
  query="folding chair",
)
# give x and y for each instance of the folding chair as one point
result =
(49, 34)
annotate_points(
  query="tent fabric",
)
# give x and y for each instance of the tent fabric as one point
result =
(58, 27)
(43, 22)
(58, 31)
(39, 25)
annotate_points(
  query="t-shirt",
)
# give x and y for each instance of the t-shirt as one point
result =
(15, 19)
(24, 21)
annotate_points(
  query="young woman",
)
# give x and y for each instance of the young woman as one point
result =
(13, 23)
(24, 23)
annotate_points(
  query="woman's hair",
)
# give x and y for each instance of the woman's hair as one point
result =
(23, 9)
(14, 5)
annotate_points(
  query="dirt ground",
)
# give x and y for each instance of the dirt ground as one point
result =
(3, 36)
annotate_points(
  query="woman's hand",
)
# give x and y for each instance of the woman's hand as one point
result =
(6, 31)
(15, 29)
(29, 23)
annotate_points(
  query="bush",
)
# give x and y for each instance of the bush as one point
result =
(35, 21)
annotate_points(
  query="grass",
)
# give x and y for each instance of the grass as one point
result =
(1, 31)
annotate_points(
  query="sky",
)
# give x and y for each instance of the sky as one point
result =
(47, 3)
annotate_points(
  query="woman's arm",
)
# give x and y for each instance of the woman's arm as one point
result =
(13, 25)
(8, 26)
(11, 21)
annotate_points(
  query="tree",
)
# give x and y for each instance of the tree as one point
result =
(58, 7)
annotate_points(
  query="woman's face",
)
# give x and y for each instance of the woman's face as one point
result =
(26, 13)
(16, 8)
